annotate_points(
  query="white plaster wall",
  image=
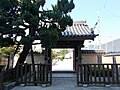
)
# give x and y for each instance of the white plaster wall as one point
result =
(89, 58)
(38, 58)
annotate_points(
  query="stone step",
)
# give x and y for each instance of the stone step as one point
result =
(64, 75)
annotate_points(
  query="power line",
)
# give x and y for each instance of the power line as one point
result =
(108, 11)
(105, 3)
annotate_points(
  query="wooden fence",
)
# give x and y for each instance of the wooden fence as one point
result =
(6, 76)
(33, 74)
(98, 74)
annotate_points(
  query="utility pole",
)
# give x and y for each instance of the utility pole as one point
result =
(99, 37)
(98, 29)
(99, 42)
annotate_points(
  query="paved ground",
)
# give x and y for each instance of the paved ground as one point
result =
(65, 65)
(64, 84)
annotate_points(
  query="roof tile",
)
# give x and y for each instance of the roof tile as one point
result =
(79, 28)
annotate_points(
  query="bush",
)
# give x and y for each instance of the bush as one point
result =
(4, 51)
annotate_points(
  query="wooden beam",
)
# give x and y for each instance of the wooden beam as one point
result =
(77, 38)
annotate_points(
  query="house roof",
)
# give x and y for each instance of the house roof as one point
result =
(92, 51)
(78, 29)
(112, 54)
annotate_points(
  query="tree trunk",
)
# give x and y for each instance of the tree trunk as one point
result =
(18, 45)
(32, 56)
(46, 55)
(8, 64)
(33, 62)
(23, 54)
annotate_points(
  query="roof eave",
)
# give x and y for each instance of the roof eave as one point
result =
(78, 38)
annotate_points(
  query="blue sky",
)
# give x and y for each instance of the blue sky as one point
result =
(108, 10)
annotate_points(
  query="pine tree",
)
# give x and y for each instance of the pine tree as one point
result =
(17, 16)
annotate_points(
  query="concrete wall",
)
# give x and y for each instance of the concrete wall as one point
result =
(89, 58)
(86, 58)
(109, 59)
(3, 60)
(38, 58)
(92, 58)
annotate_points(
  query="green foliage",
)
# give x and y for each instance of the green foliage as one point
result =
(8, 13)
(63, 52)
(60, 55)
(25, 41)
(27, 16)
(34, 21)
(64, 21)
(18, 15)
(60, 12)
(65, 6)
(8, 4)
(48, 37)
(6, 42)
(2, 20)
(54, 54)
(6, 50)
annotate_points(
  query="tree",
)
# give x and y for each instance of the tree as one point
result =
(54, 54)
(4, 54)
(63, 53)
(19, 16)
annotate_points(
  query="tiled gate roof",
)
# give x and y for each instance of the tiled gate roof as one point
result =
(78, 29)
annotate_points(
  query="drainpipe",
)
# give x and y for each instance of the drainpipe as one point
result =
(114, 67)
(79, 58)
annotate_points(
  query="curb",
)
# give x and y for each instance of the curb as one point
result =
(9, 86)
